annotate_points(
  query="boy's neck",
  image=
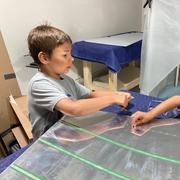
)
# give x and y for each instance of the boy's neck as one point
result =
(52, 75)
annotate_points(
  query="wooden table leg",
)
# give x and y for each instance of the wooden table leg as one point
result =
(112, 81)
(87, 73)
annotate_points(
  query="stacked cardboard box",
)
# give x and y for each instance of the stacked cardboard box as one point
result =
(8, 85)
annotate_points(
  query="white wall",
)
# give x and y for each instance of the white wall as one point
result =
(81, 19)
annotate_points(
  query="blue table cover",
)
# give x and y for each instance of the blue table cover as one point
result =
(111, 56)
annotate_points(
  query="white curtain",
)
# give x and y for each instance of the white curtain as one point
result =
(161, 43)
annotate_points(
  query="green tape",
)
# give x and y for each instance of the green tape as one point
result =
(137, 150)
(86, 161)
(25, 172)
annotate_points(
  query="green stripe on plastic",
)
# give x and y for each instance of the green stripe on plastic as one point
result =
(25, 172)
(137, 150)
(86, 161)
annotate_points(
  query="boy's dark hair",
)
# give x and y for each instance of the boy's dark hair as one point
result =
(45, 38)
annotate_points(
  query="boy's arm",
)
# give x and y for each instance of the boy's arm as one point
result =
(90, 105)
(139, 118)
(94, 94)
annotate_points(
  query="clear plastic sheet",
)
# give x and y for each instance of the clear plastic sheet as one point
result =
(100, 146)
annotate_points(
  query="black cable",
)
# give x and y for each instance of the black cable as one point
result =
(148, 2)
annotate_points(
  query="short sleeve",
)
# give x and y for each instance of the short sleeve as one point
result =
(46, 95)
(82, 91)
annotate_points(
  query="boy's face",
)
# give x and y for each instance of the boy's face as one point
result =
(60, 60)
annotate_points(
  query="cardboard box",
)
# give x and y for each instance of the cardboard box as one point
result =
(20, 107)
(20, 136)
(8, 85)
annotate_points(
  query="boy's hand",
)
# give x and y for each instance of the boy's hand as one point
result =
(128, 95)
(140, 118)
(122, 98)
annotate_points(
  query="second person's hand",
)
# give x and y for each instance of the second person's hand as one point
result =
(139, 118)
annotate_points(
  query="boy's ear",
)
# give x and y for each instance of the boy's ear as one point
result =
(43, 58)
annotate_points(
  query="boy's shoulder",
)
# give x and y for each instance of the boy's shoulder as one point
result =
(40, 77)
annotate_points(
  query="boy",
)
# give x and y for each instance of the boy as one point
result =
(51, 93)
(140, 118)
